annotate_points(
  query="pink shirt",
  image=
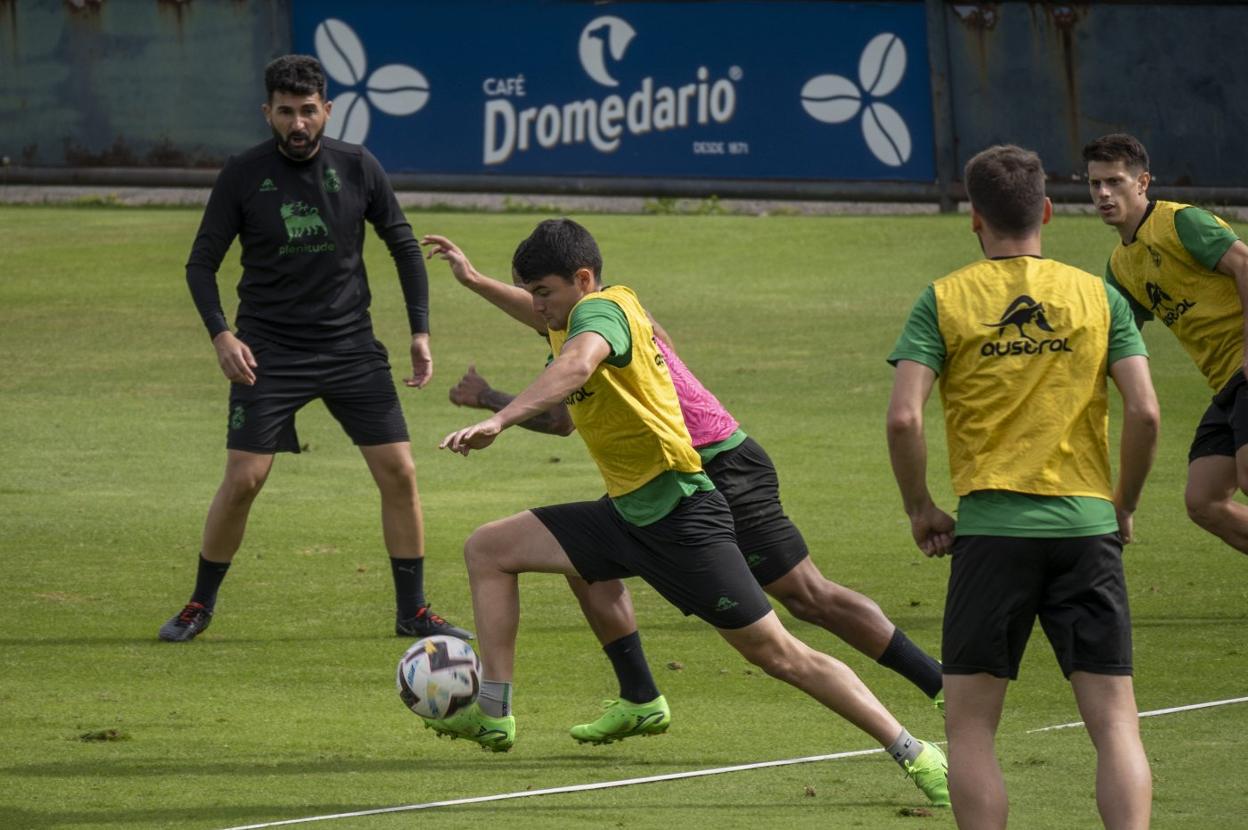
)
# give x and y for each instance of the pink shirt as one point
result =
(705, 417)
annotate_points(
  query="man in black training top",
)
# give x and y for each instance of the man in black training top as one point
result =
(297, 203)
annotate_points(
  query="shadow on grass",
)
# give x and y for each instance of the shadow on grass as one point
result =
(258, 814)
(472, 762)
(204, 642)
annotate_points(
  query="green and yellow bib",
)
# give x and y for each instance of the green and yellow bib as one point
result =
(1201, 306)
(629, 416)
(1024, 393)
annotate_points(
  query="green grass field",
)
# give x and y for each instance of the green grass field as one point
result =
(111, 432)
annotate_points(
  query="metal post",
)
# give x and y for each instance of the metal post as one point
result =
(942, 102)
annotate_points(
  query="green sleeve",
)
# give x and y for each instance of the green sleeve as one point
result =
(607, 320)
(1124, 334)
(1142, 314)
(921, 340)
(1205, 238)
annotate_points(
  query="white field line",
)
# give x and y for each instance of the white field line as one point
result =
(651, 779)
(1151, 714)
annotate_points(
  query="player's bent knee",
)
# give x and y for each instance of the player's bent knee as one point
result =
(779, 657)
(1204, 512)
(489, 547)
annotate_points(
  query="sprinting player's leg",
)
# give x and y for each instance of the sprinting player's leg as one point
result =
(496, 554)
(639, 709)
(973, 704)
(705, 575)
(1212, 482)
(1124, 784)
(245, 474)
(856, 619)
(1218, 468)
(780, 560)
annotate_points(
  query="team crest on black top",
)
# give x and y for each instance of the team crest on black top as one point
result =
(332, 183)
(1022, 313)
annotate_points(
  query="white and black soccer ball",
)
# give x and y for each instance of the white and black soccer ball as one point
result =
(438, 676)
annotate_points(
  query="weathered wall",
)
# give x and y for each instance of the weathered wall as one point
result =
(1053, 76)
(134, 82)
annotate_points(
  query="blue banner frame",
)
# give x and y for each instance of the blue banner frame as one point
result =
(732, 90)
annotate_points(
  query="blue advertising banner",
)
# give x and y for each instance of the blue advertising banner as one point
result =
(746, 90)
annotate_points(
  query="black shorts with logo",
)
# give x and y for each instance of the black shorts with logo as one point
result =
(998, 585)
(771, 543)
(690, 556)
(1224, 427)
(356, 385)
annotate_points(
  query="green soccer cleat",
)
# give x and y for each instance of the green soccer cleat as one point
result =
(494, 734)
(938, 702)
(624, 719)
(930, 773)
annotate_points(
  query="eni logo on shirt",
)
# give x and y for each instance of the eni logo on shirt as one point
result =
(1021, 313)
(303, 222)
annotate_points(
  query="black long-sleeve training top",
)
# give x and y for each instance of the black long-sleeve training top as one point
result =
(301, 228)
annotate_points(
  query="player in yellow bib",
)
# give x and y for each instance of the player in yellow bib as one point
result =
(662, 518)
(1185, 267)
(1022, 346)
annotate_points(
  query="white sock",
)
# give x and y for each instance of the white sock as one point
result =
(905, 748)
(495, 698)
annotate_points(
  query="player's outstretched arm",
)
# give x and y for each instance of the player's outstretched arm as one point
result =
(1141, 424)
(931, 527)
(568, 372)
(473, 391)
(1234, 263)
(515, 301)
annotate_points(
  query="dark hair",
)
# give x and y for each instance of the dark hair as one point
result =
(1005, 184)
(556, 246)
(296, 75)
(1118, 147)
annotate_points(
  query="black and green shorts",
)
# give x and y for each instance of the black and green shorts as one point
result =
(999, 585)
(1224, 427)
(771, 543)
(355, 385)
(690, 556)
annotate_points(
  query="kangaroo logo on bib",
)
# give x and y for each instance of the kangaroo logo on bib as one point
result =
(1023, 312)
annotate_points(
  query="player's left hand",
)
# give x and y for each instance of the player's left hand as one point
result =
(476, 437)
(422, 362)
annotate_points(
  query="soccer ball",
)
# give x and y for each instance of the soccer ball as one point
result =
(438, 676)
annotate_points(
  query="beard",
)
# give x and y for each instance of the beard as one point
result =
(311, 143)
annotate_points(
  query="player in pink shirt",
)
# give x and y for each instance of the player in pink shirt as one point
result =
(773, 546)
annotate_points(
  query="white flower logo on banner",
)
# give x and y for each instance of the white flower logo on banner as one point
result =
(834, 99)
(395, 89)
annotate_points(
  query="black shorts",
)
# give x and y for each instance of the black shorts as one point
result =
(998, 585)
(690, 556)
(356, 385)
(1224, 427)
(771, 543)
